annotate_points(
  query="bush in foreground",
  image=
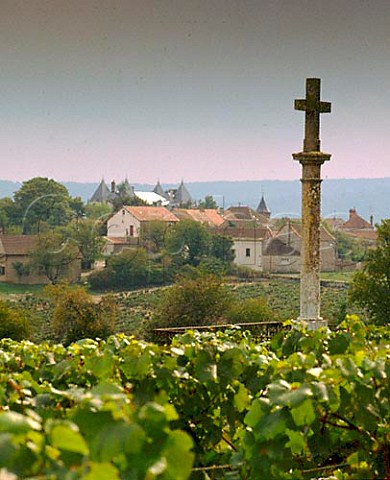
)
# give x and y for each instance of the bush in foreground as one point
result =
(76, 315)
(13, 324)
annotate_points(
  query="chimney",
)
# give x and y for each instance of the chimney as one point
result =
(113, 186)
(372, 220)
(352, 212)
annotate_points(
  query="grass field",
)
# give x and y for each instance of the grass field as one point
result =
(13, 289)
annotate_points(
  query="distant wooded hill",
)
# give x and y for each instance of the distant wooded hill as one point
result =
(369, 196)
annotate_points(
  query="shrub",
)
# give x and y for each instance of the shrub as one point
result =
(13, 323)
(77, 316)
(202, 300)
(128, 269)
(251, 310)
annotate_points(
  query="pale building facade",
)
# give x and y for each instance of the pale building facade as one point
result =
(128, 221)
(15, 266)
(282, 253)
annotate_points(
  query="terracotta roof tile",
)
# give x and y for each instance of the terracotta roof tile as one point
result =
(17, 244)
(209, 216)
(148, 214)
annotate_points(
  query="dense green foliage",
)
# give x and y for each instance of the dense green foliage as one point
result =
(309, 405)
(129, 269)
(188, 241)
(371, 286)
(193, 301)
(86, 237)
(350, 249)
(208, 202)
(13, 323)
(41, 203)
(76, 315)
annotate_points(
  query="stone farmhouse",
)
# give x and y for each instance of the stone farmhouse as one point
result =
(355, 227)
(128, 221)
(15, 253)
(249, 229)
(282, 252)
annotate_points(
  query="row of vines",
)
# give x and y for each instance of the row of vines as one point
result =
(137, 307)
(214, 405)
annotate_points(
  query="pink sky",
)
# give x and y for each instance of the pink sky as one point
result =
(184, 90)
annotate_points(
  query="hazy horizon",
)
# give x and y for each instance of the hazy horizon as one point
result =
(199, 91)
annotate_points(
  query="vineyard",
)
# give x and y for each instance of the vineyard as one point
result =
(209, 406)
(136, 307)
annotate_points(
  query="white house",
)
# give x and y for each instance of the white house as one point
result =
(248, 238)
(128, 221)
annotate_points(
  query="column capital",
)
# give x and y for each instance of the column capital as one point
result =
(311, 158)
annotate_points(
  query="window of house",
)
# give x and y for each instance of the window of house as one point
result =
(2, 270)
(131, 230)
(247, 252)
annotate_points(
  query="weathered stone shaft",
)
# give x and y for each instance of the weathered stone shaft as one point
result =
(310, 251)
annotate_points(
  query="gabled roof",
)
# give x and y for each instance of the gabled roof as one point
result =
(356, 222)
(240, 213)
(296, 228)
(262, 207)
(17, 244)
(148, 214)
(244, 229)
(102, 194)
(208, 216)
(275, 246)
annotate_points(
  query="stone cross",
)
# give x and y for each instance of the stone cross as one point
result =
(311, 160)
(313, 106)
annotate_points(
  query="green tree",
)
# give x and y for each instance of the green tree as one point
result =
(87, 238)
(222, 248)
(98, 211)
(76, 315)
(128, 269)
(202, 300)
(6, 213)
(78, 208)
(153, 235)
(54, 257)
(208, 202)
(350, 249)
(39, 202)
(189, 241)
(371, 286)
